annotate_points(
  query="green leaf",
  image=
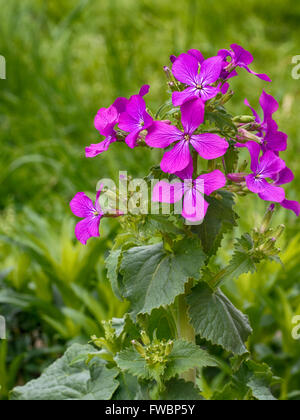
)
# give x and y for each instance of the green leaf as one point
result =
(112, 265)
(153, 277)
(231, 159)
(221, 119)
(185, 356)
(215, 318)
(251, 381)
(129, 387)
(242, 261)
(179, 390)
(220, 219)
(70, 378)
(132, 362)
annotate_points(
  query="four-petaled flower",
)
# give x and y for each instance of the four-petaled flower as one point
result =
(266, 167)
(239, 58)
(271, 138)
(186, 70)
(135, 119)
(194, 205)
(162, 135)
(83, 207)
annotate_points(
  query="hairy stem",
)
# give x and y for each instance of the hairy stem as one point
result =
(186, 332)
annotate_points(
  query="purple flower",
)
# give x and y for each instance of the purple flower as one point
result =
(186, 70)
(195, 53)
(266, 167)
(271, 138)
(162, 135)
(135, 118)
(285, 177)
(105, 122)
(194, 204)
(83, 207)
(239, 58)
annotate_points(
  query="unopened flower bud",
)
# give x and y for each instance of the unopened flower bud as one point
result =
(145, 338)
(244, 119)
(245, 136)
(278, 232)
(168, 73)
(237, 178)
(226, 98)
(139, 348)
(266, 220)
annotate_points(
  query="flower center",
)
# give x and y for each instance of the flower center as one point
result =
(187, 137)
(199, 87)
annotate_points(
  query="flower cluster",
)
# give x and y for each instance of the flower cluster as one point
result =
(197, 85)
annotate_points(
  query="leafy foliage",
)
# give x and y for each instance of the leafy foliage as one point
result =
(153, 277)
(69, 378)
(215, 318)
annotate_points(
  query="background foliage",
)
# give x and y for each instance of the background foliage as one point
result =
(65, 60)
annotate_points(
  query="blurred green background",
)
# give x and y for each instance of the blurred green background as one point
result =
(66, 59)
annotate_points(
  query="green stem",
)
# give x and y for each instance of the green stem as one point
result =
(186, 332)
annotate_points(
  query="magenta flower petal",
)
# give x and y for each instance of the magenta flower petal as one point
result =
(87, 228)
(291, 205)
(165, 192)
(81, 205)
(209, 92)
(161, 135)
(224, 88)
(129, 123)
(210, 70)
(105, 120)
(213, 181)
(257, 117)
(194, 206)
(256, 184)
(261, 76)
(179, 98)
(209, 146)
(196, 54)
(96, 149)
(269, 105)
(136, 107)
(241, 56)
(276, 141)
(272, 193)
(187, 173)
(185, 69)
(283, 177)
(176, 159)
(192, 115)
(120, 104)
(270, 165)
(131, 139)
(144, 90)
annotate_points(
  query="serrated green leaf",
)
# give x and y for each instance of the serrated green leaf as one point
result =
(185, 356)
(112, 265)
(152, 277)
(130, 361)
(70, 378)
(179, 390)
(220, 219)
(215, 318)
(242, 261)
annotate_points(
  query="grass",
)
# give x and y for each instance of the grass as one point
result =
(67, 59)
